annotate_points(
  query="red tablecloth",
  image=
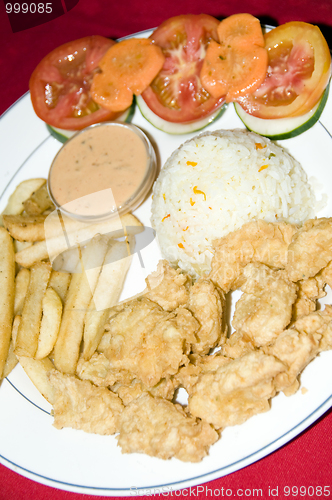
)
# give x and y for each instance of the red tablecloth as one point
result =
(305, 460)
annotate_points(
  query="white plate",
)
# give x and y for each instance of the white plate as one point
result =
(85, 463)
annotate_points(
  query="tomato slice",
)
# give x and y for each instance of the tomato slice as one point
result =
(60, 84)
(298, 72)
(176, 94)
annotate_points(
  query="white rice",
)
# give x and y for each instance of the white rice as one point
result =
(228, 183)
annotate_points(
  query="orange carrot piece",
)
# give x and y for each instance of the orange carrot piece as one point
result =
(249, 71)
(216, 70)
(126, 70)
(238, 64)
(240, 28)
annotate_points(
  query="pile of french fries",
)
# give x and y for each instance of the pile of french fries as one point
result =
(58, 280)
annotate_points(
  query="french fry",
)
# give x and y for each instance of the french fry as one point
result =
(32, 254)
(38, 202)
(21, 245)
(12, 360)
(59, 281)
(28, 331)
(25, 228)
(53, 246)
(77, 233)
(38, 370)
(21, 286)
(7, 292)
(50, 323)
(107, 293)
(81, 288)
(16, 324)
(22, 192)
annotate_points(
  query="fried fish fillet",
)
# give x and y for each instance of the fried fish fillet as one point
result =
(168, 287)
(236, 391)
(161, 429)
(309, 291)
(81, 405)
(206, 303)
(256, 241)
(99, 371)
(310, 250)
(149, 342)
(264, 309)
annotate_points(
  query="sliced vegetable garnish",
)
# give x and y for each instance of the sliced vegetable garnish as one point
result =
(238, 64)
(241, 29)
(60, 84)
(298, 72)
(127, 68)
(176, 95)
(283, 128)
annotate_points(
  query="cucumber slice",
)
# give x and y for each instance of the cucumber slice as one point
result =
(62, 135)
(283, 128)
(176, 128)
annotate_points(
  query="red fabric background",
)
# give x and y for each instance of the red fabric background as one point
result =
(305, 460)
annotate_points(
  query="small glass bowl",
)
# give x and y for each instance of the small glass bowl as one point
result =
(135, 199)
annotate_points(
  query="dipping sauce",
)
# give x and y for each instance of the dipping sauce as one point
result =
(100, 169)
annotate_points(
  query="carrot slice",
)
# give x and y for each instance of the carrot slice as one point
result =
(238, 64)
(240, 28)
(126, 70)
(248, 71)
(216, 69)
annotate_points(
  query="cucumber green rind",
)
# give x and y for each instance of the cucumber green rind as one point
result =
(306, 125)
(176, 128)
(63, 135)
(60, 137)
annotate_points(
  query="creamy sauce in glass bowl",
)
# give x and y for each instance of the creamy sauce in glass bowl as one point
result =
(104, 169)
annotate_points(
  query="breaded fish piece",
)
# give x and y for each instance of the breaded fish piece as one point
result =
(264, 309)
(256, 241)
(206, 303)
(236, 391)
(99, 371)
(149, 342)
(188, 375)
(128, 392)
(161, 429)
(81, 405)
(318, 322)
(310, 250)
(168, 287)
(236, 346)
(309, 291)
(295, 350)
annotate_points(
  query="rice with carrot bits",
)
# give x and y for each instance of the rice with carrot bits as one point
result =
(216, 182)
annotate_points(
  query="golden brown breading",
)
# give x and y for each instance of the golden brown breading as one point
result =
(310, 250)
(236, 346)
(236, 391)
(81, 405)
(99, 371)
(319, 322)
(295, 350)
(167, 287)
(206, 303)
(187, 376)
(148, 341)
(309, 292)
(161, 429)
(164, 389)
(265, 308)
(256, 241)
